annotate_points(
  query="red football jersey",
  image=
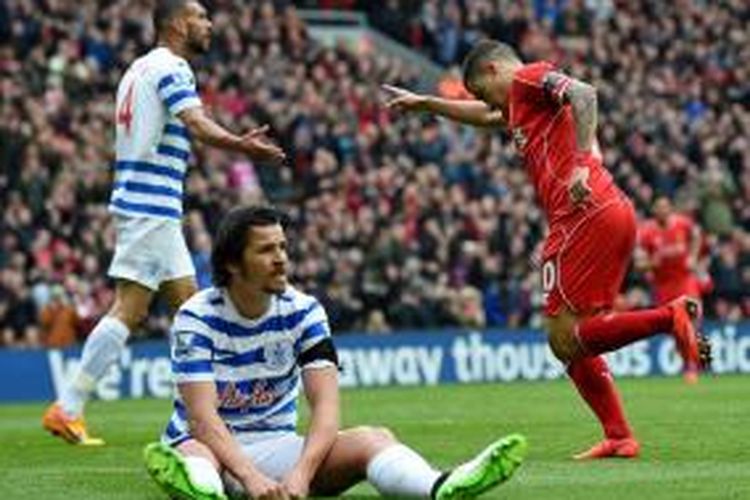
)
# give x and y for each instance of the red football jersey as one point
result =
(543, 129)
(668, 248)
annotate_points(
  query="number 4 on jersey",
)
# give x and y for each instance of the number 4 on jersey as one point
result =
(125, 113)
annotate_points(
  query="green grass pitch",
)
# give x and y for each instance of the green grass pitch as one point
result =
(695, 440)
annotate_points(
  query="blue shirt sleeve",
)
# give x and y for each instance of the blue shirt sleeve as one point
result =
(177, 90)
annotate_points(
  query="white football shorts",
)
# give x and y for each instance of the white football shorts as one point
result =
(273, 454)
(150, 251)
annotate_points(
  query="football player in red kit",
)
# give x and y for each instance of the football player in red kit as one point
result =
(668, 251)
(669, 246)
(592, 226)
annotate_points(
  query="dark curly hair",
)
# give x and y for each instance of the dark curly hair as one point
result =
(231, 237)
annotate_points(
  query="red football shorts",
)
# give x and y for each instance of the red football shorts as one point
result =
(686, 285)
(586, 273)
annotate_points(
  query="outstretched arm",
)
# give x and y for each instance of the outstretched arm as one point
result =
(582, 99)
(254, 143)
(471, 112)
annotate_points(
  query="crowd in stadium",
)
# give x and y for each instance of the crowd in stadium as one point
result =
(398, 222)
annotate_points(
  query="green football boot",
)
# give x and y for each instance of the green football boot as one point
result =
(170, 471)
(493, 466)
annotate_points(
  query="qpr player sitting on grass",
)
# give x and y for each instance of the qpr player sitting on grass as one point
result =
(238, 353)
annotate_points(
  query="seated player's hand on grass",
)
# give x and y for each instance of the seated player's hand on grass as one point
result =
(401, 99)
(297, 484)
(578, 187)
(258, 147)
(261, 487)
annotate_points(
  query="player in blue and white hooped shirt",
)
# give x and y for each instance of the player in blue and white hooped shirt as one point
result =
(158, 114)
(240, 352)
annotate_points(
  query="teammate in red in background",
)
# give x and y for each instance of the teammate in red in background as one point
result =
(592, 226)
(668, 250)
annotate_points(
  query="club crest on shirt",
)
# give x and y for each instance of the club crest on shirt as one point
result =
(183, 343)
(519, 138)
(279, 354)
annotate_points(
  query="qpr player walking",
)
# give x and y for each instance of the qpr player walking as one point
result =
(158, 114)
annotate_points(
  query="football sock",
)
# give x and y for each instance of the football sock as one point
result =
(400, 471)
(609, 332)
(101, 349)
(594, 382)
(203, 474)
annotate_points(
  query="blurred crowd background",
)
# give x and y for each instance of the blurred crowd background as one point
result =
(399, 222)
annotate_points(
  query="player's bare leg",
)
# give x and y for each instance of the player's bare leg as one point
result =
(192, 471)
(346, 464)
(396, 470)
(102, 348)
(353, 457)
(177, 291)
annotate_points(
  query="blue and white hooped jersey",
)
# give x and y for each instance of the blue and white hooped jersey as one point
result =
(252, 362)
(152, 144)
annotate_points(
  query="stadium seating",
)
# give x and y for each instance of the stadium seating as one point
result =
(398, 221)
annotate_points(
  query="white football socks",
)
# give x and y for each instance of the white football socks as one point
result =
(203, 474)
(400, 471)
(101, 349)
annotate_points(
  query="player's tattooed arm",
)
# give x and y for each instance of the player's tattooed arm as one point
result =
(582, 98)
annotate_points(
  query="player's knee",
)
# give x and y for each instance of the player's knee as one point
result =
(562, 341)
(384, 435)
(376, 437)
(132, 317)
(561, 330)
(373, 440)
(364, 443)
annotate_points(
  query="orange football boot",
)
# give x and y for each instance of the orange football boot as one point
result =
(71, 429)
(693, 347)
(612, 448)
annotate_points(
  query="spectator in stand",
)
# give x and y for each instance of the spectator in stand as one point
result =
(58, 320)
(672, 79)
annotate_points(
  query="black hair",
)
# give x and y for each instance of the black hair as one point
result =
(484, 51)
(165, 10)
(231, 237)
